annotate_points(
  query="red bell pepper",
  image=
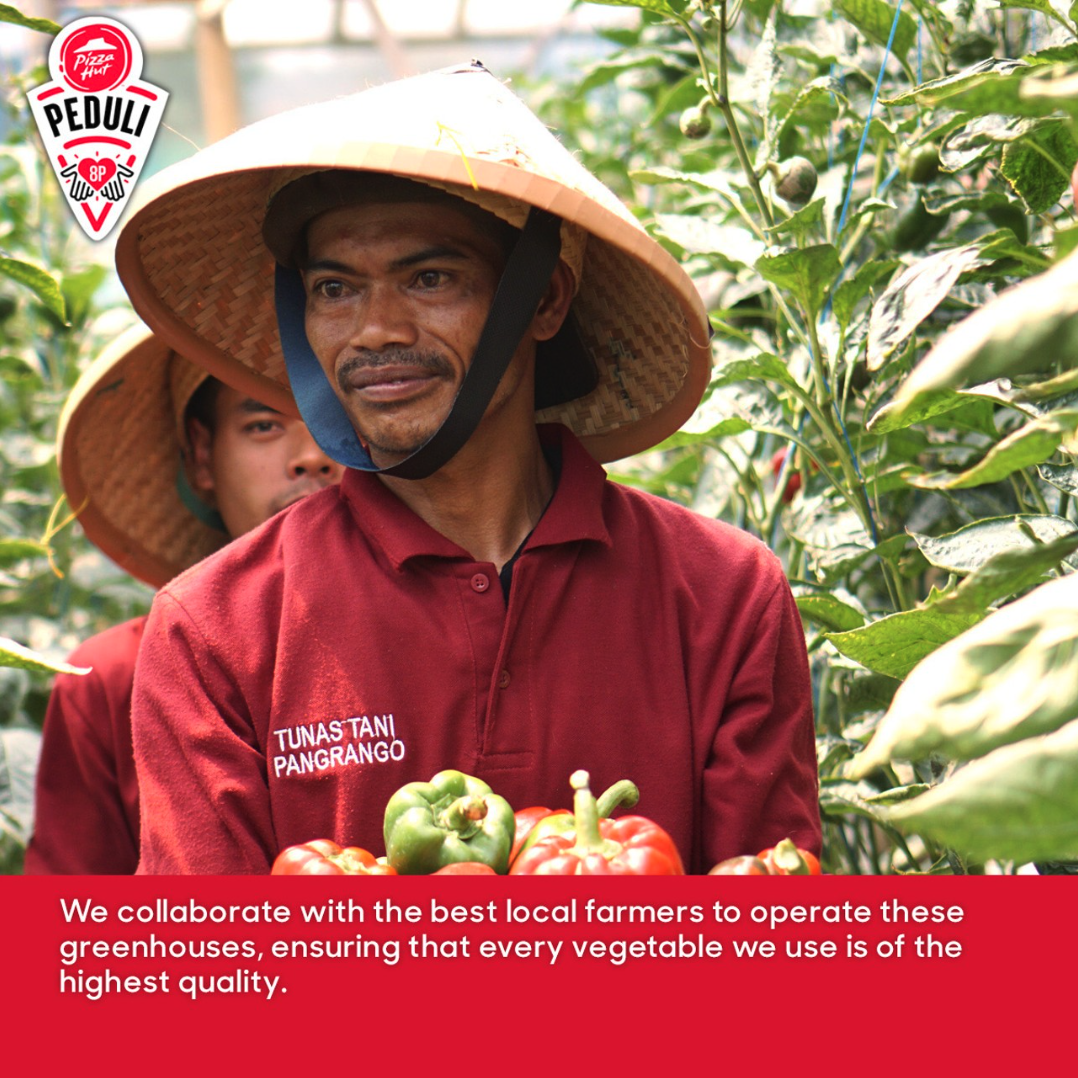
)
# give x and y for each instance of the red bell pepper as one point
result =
(535, 823)
(466, 868)
(786, 859)
(740, 866)
(626, 846)
(323, 857)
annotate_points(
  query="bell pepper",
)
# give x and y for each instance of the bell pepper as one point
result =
(465, 868)
(324, 857)
(454, 817)
(535, 823)
(786, 859)
(626, 846)
(740, 866)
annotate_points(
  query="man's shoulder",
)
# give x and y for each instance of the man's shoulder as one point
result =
(302, 530)
(111, 648)
(682, 533)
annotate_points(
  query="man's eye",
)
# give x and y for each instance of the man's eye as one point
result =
(330, 289)
(430, 278)
(262, 426)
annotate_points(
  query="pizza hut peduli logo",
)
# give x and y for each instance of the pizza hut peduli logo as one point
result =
(97, 119)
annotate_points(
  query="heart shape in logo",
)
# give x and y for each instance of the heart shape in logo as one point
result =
(97, 173)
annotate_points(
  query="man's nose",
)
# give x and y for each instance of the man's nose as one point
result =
(307, 459)
(383, 320)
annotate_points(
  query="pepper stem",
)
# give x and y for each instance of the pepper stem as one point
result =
(623, 794)
(586, 812)
(464, 814)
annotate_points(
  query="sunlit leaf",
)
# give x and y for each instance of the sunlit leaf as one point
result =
(874, 18)
(1038, 166)
(13, 15)
(1031, 444)
(1018, 803)
(1025, 328)
(911, 297)
(974, 545)
(20, 656)
(42, 284)
(895, 644)
(1008, 678)
(807, 273)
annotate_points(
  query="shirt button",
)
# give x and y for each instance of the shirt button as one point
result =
(504, 679)
(480, 582)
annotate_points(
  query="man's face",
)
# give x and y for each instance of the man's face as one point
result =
(256, 461)
(397, 295)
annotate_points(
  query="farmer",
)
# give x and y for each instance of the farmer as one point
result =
(471, 322)
(120, 440)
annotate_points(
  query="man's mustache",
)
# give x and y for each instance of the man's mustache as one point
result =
(432, 362)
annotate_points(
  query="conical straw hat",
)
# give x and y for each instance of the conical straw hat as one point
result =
(119, 449)
(192, 257)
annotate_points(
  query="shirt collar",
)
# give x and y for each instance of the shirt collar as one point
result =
(575, 512)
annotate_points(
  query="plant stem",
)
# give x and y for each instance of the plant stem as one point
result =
(721, 100)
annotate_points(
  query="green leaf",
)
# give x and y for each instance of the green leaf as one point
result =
(1008, 678)
(1026, 327)
(895, 644)
(760, 79)
(826, 88)
(1038, 166)
(15, 550)
(897, 415)
(1065, 240)
(804, 220)
(698, 235)
(1045, 7)
(1035, 400)
(763, 367)
(911, 297)
(717, 181)
(1031, 444)
(1018, 803)
(683, 437)
(17, 655)
(807, 273)
(897, 794)
(42, 284)
(824, 607)
(874, 18)
(13, 15)
(851, 292)
(670, 8)
(839, 797)
(974, 545)
(989, 88)
(1062, 476)
(1007, 573)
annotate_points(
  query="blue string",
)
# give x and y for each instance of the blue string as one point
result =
(868, 120)
(842, 224)
(920, 27)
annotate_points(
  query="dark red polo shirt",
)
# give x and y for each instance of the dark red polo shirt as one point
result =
(86, 818)
(291, 683)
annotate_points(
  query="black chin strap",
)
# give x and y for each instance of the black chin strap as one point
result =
(524, 281)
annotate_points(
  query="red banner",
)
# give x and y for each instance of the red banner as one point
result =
(711, 970)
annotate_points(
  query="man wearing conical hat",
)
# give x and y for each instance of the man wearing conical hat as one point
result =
(131, 418)
(471, 323)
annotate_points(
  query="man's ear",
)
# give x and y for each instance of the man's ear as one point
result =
(554, 306)
(199, 462)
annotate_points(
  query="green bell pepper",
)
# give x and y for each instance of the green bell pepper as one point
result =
(451, 819)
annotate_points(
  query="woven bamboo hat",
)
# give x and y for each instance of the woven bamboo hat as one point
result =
(119, 446)
(193, 260)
